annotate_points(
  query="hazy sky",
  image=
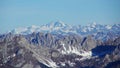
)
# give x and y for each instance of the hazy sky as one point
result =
(21, 13)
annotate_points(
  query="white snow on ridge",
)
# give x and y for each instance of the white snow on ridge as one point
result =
(108, 26)
(52, 64)
(61, 28)
(19, 30)
(74, 50)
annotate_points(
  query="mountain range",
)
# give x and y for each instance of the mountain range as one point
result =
(58, 45)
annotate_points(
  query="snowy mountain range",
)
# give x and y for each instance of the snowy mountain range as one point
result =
(60, 27)
(97, 30)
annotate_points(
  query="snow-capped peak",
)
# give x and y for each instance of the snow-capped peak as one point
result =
(93, 25)
(59, 24)
(56, 24)
(33, 26)
(108, 26)
(19, 30)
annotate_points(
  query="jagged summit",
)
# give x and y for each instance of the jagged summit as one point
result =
(56, 24)
(92, 24)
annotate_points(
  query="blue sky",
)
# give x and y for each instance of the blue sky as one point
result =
(21, 13)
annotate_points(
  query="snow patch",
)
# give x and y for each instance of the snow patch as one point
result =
(62, 63)
(108, 27)
(71, 63)
(52, 64)
(74, 50)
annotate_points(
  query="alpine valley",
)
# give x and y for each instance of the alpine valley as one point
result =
(59, 45)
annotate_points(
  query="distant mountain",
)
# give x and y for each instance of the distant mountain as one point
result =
(97, 30)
